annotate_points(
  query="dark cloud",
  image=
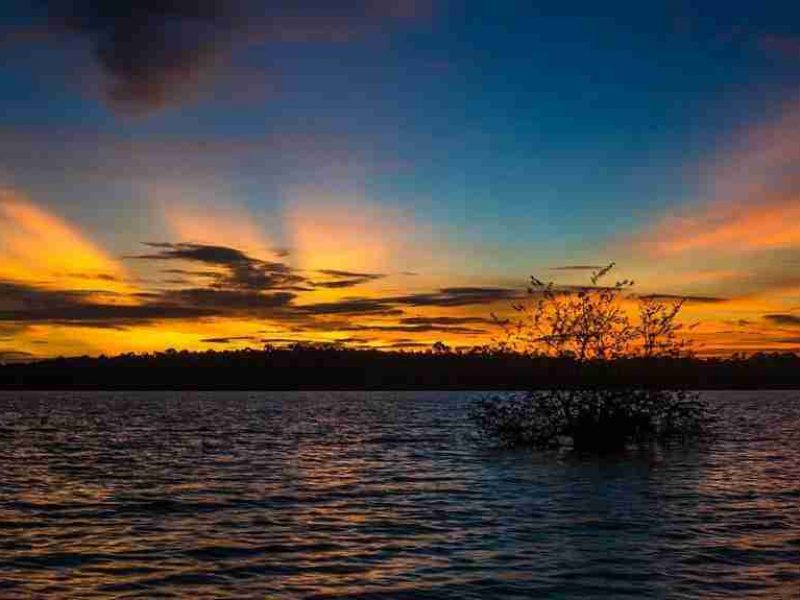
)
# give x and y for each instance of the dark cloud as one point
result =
(107, 316)
(411, 329)
(26, 304)
(687, 299)
(258, 275)
(344, 279)
(155, 51)
(351, 306)
(229, 340)
(577, 268)
(783, 319)
(15, 294)
(284, 340)
(352, 340)
(445, 321)
(238, 270)
(203, 253)
(335, 273)
(66, 308)
(21, 304)
(150, 50)
(393, 305)
(404, 344)
(340, 283)
(228, 300)
(458, 296)
(96, 276)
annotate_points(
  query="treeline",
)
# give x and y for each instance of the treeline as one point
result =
(314, 367)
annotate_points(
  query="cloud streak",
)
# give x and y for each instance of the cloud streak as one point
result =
(784, 319)
(344, 279)
(757, 198)
(689, 299)
(733, 228)
(577, 268)
(24, 304)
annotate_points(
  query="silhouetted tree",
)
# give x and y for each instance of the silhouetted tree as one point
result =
(440, 348)
(594, 322)
(592, 326)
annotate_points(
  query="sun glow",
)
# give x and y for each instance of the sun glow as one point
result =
(197, 216)
(348, 233)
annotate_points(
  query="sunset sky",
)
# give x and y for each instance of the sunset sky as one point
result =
(387, 173)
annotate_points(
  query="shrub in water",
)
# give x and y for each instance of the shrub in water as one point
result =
(588, 419)
(591, 324)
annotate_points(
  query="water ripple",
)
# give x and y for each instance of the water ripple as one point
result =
(381, 495)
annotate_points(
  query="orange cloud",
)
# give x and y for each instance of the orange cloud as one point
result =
(731, 228)
(39, 248)
(755, 203)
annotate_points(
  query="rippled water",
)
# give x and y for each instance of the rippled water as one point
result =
(381, 495)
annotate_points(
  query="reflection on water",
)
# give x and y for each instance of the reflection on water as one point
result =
(346, 494)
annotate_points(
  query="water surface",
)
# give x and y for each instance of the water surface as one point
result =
(381, 495)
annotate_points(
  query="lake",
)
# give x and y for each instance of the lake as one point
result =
(381, 495)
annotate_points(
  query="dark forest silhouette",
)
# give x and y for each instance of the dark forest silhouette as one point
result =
(330, 367)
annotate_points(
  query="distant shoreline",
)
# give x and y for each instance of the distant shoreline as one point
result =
(330, 368)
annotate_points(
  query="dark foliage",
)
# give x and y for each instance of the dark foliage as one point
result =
(589, 419)
(321, 367)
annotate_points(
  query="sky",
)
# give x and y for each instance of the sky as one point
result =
(208, 174)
